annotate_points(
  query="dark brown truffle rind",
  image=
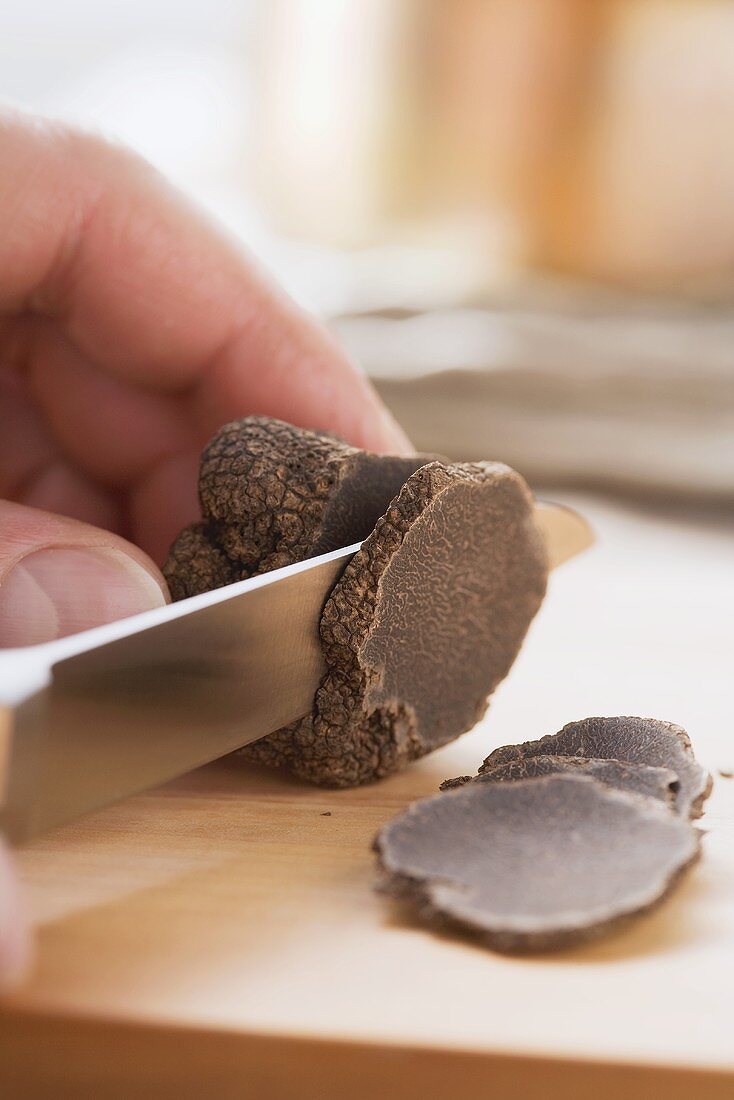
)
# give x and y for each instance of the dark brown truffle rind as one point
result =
(660, 783)
(455, 782)
(272, 494)
(196, 564)
(634, 740)
(536, 864)
(426, 620)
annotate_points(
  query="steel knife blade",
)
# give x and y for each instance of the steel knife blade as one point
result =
(90, 719)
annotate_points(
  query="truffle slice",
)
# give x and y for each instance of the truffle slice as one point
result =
(426, 620)
(660, 783)
(535, 864)
(271, 495)
(633, 740)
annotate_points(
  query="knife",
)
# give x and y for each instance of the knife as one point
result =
(89, 719)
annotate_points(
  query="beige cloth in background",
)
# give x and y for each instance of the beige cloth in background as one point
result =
(640, 399)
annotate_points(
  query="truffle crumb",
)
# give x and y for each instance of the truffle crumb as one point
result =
(457, 781)
(630, 740)
(535, 864)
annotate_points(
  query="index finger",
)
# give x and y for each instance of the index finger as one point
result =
(152, 293)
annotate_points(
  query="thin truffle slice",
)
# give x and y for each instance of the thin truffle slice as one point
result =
(660, 783)
(426, 620)
(535, 864)
(634, 740)
(272, 494)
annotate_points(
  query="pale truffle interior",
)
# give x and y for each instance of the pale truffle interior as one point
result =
(536, 863)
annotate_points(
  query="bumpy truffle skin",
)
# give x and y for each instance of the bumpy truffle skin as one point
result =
(635, 740)
(426, 620)
(536, 864)
(195, 564)
(660, 783)
(272, 494)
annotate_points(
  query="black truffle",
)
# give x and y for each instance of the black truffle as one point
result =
(632, 740)
(535, 864)
(641, 779)
(426, 620)
(272, 494)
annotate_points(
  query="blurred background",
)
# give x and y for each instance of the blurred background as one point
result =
(517, 214)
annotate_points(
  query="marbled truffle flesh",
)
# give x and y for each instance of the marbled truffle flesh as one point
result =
(426, 620)
(632, 740)
(535, 864)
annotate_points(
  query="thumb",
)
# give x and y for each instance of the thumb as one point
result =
(58, 576)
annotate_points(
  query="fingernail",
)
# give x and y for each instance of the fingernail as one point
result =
(61, 590)
(392, 436)
(15, 941)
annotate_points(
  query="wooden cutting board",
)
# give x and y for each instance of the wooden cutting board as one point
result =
(220, 936)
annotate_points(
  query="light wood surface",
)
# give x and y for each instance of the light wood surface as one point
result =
(220, 936)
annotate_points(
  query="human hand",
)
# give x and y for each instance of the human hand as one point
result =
(130, 330)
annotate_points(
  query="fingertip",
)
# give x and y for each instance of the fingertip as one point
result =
(55, 591)
(59, 576)
(389, 436)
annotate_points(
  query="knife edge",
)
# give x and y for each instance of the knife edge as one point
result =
(150, 699)
(92, 718)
